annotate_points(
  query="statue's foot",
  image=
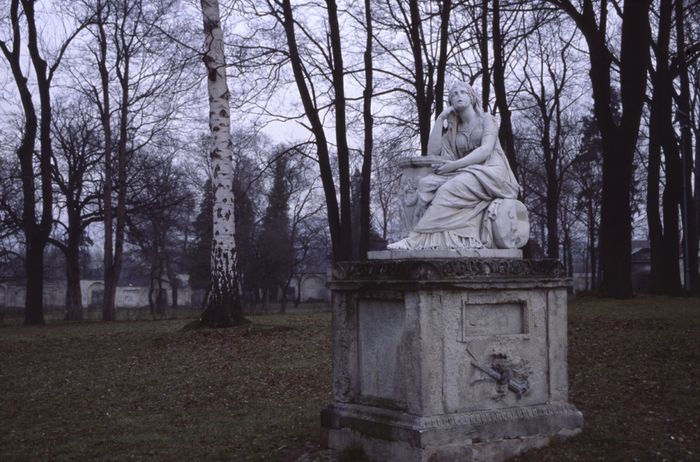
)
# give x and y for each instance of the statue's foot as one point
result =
(399, 245)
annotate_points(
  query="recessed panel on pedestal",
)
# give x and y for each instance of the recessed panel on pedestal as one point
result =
(381, 362)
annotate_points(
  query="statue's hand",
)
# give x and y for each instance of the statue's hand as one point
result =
(446, 112)
(445, 168)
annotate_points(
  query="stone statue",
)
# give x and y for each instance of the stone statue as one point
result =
(470, 199)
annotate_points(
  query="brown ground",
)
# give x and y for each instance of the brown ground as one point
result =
(147, 391)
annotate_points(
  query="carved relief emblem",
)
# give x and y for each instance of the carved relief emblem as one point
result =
(409, 203)
(509, 374)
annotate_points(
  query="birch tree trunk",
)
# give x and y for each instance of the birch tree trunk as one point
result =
(223, 307)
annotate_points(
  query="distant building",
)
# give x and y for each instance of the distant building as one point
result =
(641, 268)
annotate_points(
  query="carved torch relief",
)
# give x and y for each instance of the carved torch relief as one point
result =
(493, 334)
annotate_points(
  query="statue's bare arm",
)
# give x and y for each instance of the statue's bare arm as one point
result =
(435, 139)
(478, 155)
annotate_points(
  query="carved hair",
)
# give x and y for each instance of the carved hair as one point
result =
(474, 98)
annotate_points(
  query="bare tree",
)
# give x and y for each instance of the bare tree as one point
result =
(78, 180)
(544, 82)
(619, 139)
(686, 53)
(413, 43)
(141, 77)
(664, 238)
(339, 218)
(368, 118)
(11, 244)
(37, 127)
(158, 221)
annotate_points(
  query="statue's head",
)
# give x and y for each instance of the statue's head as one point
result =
(459, 88)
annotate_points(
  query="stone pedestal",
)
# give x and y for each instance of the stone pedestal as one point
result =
(412, 170)
(442, 359)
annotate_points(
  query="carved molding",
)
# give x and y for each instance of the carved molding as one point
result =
(456, 269)
(475, 418)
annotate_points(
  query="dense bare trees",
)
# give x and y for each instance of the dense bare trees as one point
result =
(78, 181)
(158, 218)
(360, 83)
(619, 139)
(546, 82)
(37, 128)
(135, 75)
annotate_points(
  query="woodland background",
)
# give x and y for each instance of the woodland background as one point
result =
(104, 143)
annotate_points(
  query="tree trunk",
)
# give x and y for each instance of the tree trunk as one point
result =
(74, 302)
(619, 145)
(423, 106)
(663, 235)
(696, 197)
(670, 203)
(283, 302)
(329, 190)
(368, 119)
(36, 231)
(34, 252)
(690, 235)
(445, 13)
(619, 141)
(653, 195)
(175, 289)
(552, 198)
(592, 245)
(108, 300)
(338, 73)
(151, 289)
(123, 77)
(161, 298)
(484, 55)
(505, 133)
(224, 302)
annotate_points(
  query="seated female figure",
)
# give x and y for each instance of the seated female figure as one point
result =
(459, 192)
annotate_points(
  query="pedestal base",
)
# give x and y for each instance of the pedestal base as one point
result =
(487, 436)
(449, 359)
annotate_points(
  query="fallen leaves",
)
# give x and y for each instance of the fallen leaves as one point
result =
(148, 391)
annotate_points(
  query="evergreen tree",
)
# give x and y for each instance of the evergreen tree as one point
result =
(200, 252)
(589, 177)
(275, 249)
(245, 216)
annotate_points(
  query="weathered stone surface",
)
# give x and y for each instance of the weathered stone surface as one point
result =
(443, 253)
(412, 170)
(461, 359)
(388, 435)
(447, 271)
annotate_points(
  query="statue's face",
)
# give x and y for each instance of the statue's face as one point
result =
(460, 97)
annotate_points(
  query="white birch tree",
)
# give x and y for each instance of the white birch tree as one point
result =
(223, 308)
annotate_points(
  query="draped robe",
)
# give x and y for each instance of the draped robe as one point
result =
(456, 216)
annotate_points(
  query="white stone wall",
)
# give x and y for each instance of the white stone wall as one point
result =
(312, 287)
(13, 295)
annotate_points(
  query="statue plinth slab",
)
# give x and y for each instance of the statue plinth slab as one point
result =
(449, 358)
(443, 253)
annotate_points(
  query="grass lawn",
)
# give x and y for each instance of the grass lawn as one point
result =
(148, 391)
